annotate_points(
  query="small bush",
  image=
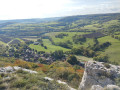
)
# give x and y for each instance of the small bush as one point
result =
(3, 86)
(101, 58)
(117, 80)
(72, 60)
(21, 71)
(76, 67)
(19, 83)
(106, 65)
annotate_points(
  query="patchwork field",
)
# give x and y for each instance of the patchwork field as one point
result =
(5, 39)
(112, 51)
(50, 47)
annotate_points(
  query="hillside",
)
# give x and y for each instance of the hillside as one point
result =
(36, 27)
(51, 30)
(59, 49)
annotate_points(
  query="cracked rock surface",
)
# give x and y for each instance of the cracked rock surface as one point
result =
(97, 75)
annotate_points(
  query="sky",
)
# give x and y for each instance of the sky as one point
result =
(24, 9)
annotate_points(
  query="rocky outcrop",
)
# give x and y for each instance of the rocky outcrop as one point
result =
(10, 69)
(108, 87)
(98, 75)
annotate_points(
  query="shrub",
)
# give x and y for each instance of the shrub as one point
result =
(72, 60)
(21, 71)
(72, 76)
(106, 65)
(65, 45)
(58, 54)
(61, 35)
(76, 67)
(117, 80)
(101, 58)
(78, 39)
(19, 83)
(3, 86)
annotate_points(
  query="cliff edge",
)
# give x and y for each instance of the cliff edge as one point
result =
(98, 75)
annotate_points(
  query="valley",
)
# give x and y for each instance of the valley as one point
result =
(58, 48)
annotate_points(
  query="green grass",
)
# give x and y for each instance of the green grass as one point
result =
(83, 58)
(22, 80)
(92, 27)
(110, 23)
(69, 37)
(50, 47)
(20, 39)
(88, 42)
(31, 39)
(112, 51)
(101, 26)
(2, 43)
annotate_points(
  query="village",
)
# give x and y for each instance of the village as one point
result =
(31, 55)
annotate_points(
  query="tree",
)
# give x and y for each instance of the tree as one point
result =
(96, 41)
(78, 39)
(58, 54)
(72, 60)
(16, 55)
(101, 58)
(45, 47)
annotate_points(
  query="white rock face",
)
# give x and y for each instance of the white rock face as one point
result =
(10, 69)
(112, 87)
(96, 87)
(97, 75)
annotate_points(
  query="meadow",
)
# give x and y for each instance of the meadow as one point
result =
(52, 48)
(113, 51)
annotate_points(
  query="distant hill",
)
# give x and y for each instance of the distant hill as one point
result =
(99, 17)
(80, 23)
(36, 20)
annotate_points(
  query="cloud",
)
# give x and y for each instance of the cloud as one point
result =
(18, 9)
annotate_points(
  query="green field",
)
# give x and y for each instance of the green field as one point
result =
(69, 37)
(83, 58)
(2, 43)
(50, 47)
(113, 51)
(20, 40)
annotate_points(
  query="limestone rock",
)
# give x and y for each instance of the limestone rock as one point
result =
(112, 87)
(10, 69)
(96, 87)
(96, 73)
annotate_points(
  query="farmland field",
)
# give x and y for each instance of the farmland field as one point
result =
(2, 43)
(5, 39)
(46, 42)
(50, 47)
(112, 51)
(69, 37)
